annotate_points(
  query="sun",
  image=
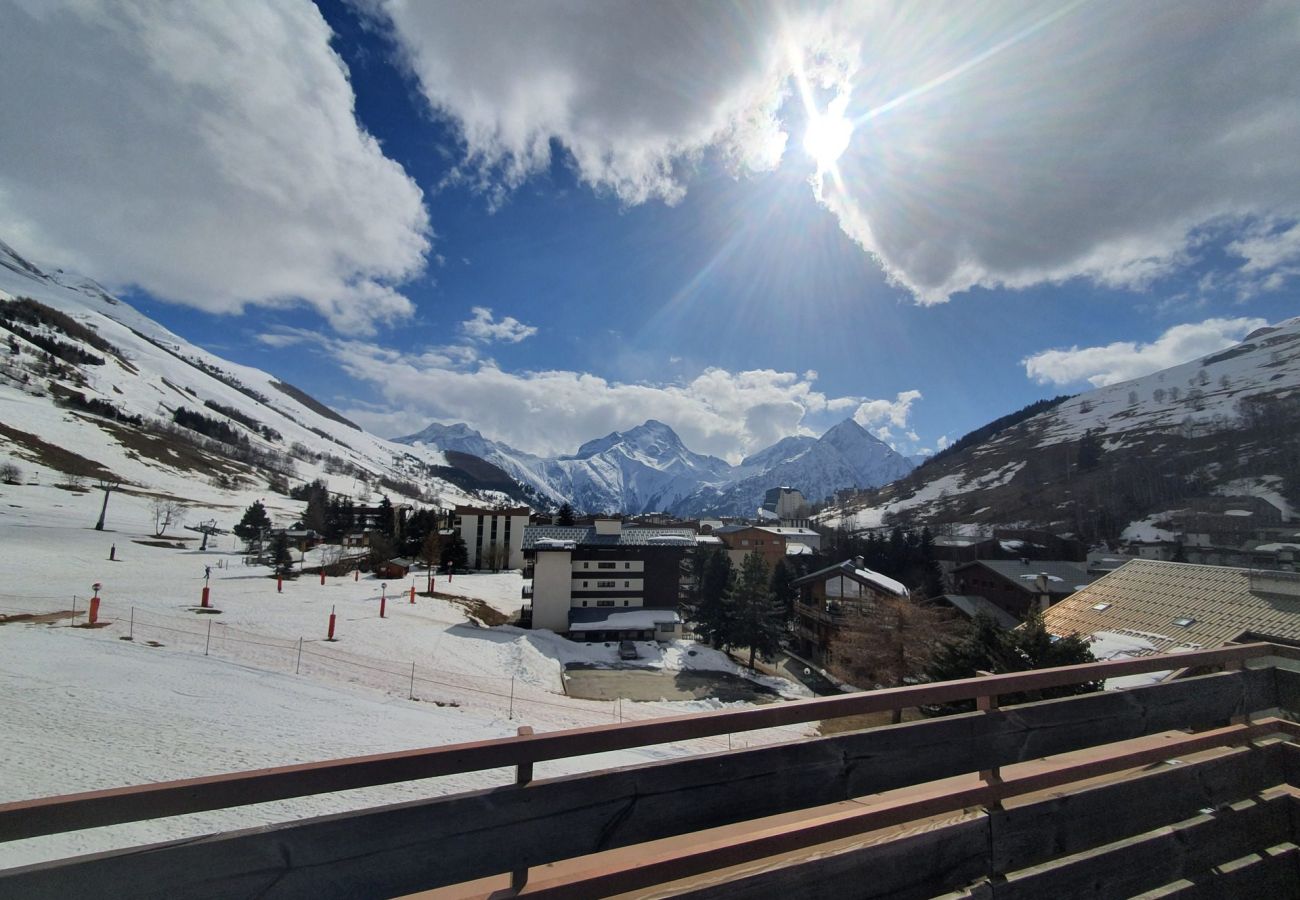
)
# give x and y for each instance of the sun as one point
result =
(828, 135)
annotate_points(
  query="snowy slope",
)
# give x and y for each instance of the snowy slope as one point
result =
(149, 372)
(1167, 425)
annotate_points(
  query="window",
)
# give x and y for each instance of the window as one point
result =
(1184, 621)
(744, 542)
(1101, 607)
(604, 584)
(604, 602)
(584, 584)
(586, 565)
(584, 602)
(627, 565)
(627, 584)
(605, 565)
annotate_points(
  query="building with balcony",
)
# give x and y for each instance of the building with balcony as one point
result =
(493, 537)
(827, 596)
(607, 581)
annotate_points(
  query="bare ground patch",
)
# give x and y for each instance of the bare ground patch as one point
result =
(36, 450)
(479, 609)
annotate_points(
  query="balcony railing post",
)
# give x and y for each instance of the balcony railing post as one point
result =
(523, 775)
(988, 704)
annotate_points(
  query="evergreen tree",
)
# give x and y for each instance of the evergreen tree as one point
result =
(757, 619)
(281, 559)
(1090, 450)
(385, 523)
(455, 553)
(431, 550)
(318, 503)
(931, 575)
(711, 612)
(987, 648)
(565, 514)
(254, 523)
(783, 590)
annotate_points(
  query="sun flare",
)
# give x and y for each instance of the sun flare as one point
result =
(827, 136)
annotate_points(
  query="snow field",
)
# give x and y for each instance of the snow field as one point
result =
(85, 709)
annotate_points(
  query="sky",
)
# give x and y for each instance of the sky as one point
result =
(552, 220)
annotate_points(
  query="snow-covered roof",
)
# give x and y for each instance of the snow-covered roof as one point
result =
(621, 619)
(707, 539)
(865, 576)
(586, 536)
(794, 548)
(554, 544)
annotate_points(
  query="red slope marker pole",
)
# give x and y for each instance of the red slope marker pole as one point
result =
(330, 636)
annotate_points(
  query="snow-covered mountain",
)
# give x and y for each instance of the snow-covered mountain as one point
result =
(91, 387)
(649, 469)
(643, 469)
(1227, 422)
(846, 456)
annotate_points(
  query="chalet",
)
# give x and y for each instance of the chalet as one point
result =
(774, 542)
(1018, 586)
(973, 605)
(606, 581)
(398, 568)
(825, 598)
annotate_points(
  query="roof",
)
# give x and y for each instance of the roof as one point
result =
(619, 619)
(972, 605)
(848, 569)
(1062, 577)
(586, 536)
(1146, 596)
(796, 548)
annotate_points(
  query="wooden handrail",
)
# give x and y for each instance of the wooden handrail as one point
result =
(651, 869)
(50, 815)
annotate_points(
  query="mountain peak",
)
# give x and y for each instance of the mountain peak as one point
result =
(435, 431)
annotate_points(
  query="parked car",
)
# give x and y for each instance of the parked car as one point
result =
(627, 650)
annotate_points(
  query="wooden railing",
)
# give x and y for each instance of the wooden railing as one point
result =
(451, 839)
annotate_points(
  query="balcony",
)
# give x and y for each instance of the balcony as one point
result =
(827, 615)
(1070, 797)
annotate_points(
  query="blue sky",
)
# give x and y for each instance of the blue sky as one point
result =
(563, 221)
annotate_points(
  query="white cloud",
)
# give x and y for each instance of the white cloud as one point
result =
(482, 327)
(207, 152)
(634, 91)
(1122, 360)
(895, 412)
(729, 414)
(1009, 145)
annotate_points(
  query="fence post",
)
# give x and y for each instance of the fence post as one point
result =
(208, 642)
(512, 698)
(412, 696)
(988, 704)
(297, 666)
(523, 775)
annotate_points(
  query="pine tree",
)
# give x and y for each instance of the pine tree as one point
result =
(318, 503)
(455, 553)
(385, 522)
(987, 648)
(254, 523)
(565, 514)
(757, 616)
(783, 590)
(710, 611)
(281, 559)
